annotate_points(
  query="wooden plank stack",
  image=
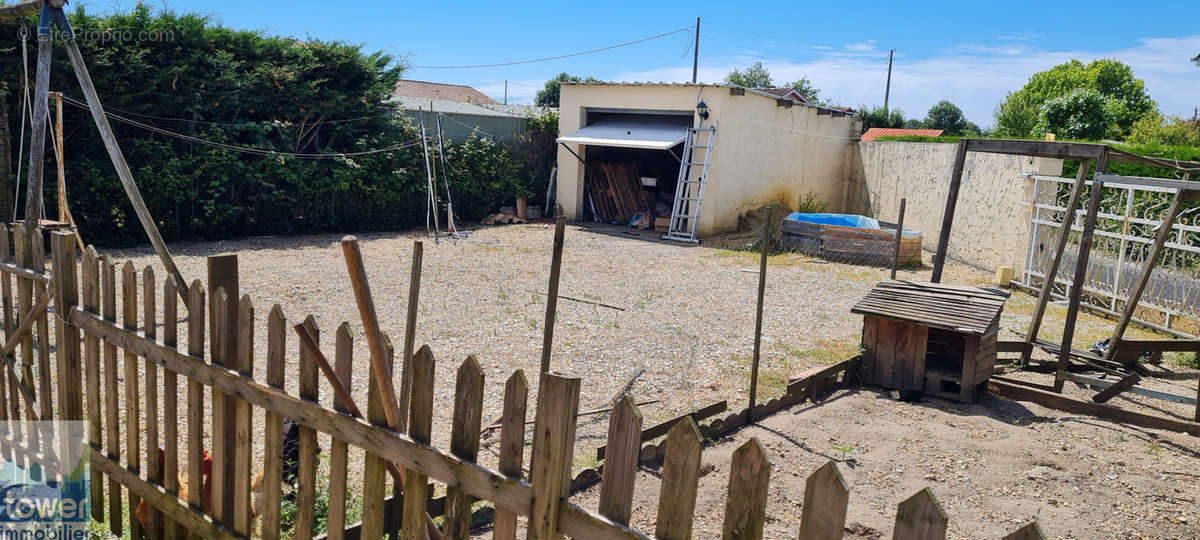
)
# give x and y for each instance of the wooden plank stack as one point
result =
(617, 192)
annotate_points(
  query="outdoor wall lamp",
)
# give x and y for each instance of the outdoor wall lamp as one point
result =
(702, 110)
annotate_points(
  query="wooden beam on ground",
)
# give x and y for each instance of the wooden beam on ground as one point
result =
(1104, 384)
(1139, 286)
(1005, 388)
(118, 159)
(1120, 386)
(1051, 272)
(1081, 267)
(939, 258)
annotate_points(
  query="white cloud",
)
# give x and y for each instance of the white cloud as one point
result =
(868, 45)
(975, 77)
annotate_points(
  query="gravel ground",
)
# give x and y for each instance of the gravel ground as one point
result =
(683, 336)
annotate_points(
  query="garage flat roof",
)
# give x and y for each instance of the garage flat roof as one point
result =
(648, 132)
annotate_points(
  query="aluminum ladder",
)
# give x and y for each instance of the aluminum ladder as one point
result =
(689, 193)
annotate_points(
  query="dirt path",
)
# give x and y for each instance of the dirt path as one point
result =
(994, 466)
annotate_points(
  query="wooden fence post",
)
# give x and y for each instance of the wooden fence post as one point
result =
(306, 494)
(340, 453)
(512, 447)
(195, 407)
(746, 504)
(374, 483)
(244, 415)
(553, 451)
(920, 517)
(133, 408)
(66, 295)
(170, 400)
(464, 442)
(223, 323)
(420, 427)
(680, 477)
(825, 498)
(91, 303)
(552, 296)
(621, 461)
(153, 471)
(112, 415)
(7, 319)
(273, 438)
(37, 261)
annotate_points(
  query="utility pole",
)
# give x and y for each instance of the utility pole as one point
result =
(506, 91)
(696, 51)
(888, 89)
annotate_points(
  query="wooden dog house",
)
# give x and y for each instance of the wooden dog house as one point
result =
(931, 338)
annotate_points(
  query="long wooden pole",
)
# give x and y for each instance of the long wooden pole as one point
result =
(758, 317)
(899, 235)
(366, 310)
(1135, 295)
(1051, 272)
(41, 113)
(939, 258)
(118, 159)
(552, 296)
(59, 151)
(1081, 268)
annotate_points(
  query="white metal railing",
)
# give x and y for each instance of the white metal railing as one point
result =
(1126, 223)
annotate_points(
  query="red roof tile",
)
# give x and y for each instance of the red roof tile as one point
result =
(876, 132)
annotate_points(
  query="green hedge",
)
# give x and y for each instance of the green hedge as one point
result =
(252, 90)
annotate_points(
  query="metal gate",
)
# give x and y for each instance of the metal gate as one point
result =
(1125, 227)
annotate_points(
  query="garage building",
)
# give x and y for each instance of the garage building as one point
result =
(704, 154)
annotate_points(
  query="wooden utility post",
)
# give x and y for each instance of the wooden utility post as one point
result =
(899, 235)
(552, 295)
(758, 318)
(59, 152)
(939, 258)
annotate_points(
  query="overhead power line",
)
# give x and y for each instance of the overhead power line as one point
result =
(561, 56)
(243, 149)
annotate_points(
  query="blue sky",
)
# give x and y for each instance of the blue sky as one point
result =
(971, 54)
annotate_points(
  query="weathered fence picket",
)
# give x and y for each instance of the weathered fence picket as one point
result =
(195, 424)
(420, 429)
(553, 450)
(746, 504)
(272, 474)
(306, 491)
(512, 447)
(91, 345)
(153, 470)
(170, 468)
(680, 476)
(339, 453)
(621, 461)
(920, 517)
(464, 443)
(112, 415)
(825, 498)
(243, 417)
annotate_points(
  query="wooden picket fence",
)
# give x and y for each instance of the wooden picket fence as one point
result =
(138, 394)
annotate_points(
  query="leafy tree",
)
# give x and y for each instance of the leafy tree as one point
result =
(755, 76)
(878, 117)
(947, 117)
(1080, 114)
(913, 123)
(1155, 128)
(806, 88)
(548, 96)
(1124, 96)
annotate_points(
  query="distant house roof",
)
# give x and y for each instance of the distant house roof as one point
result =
(875, 132)
(788, 92)
(453, 107)
(445, 92)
